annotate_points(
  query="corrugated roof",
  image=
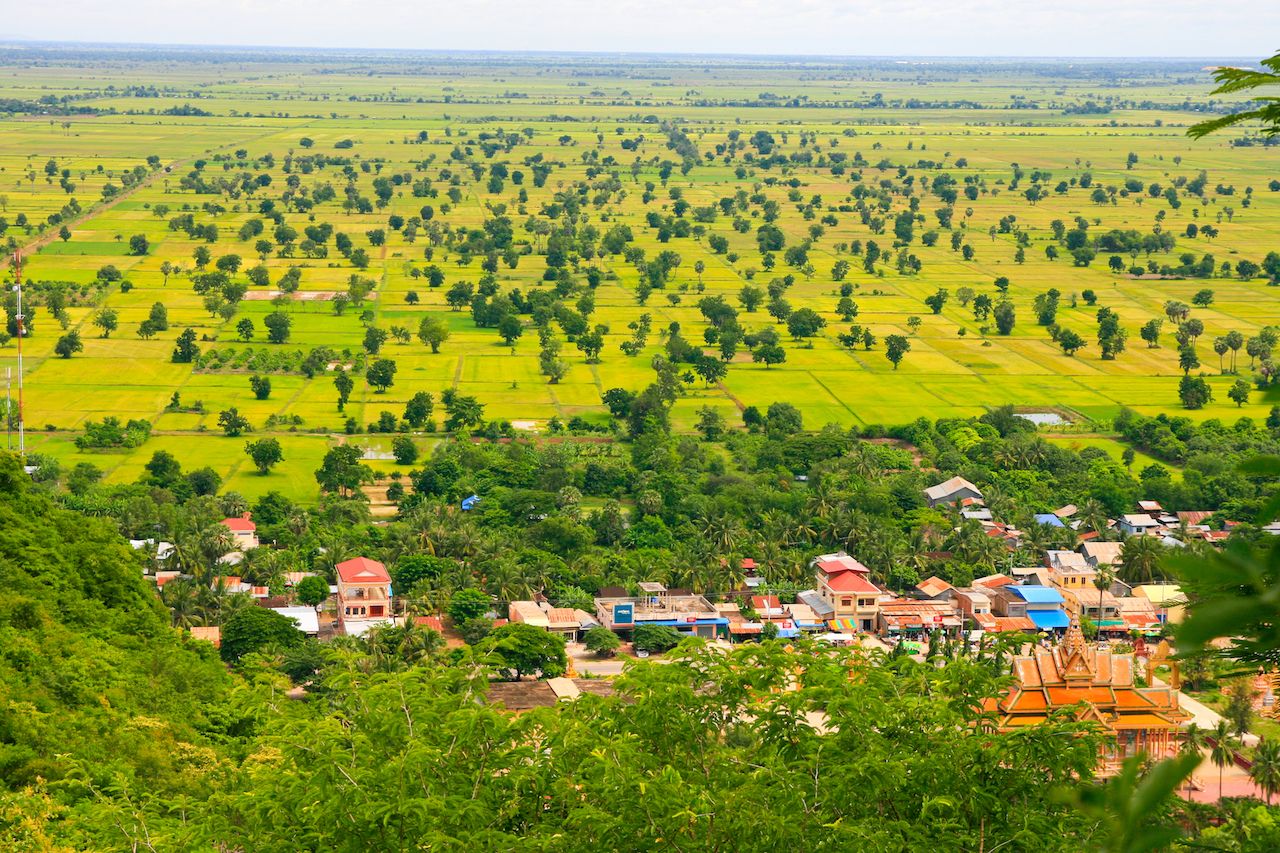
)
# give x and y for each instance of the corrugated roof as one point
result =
(1036, 594)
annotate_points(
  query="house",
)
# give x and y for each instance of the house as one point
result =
(208, 633)
(1137, 524)
(304, 617)
(804, 617)
(1166, 598)
(1048, 519)
(993, 582)
(1065, 560)
(904, 616)
(1065, 512)
(1043, 605)
(469, 503)
(1097, 686)
(1102, 553)
(768, 608)
(364, 595)
(1138, 614)
(973, 604)
(842, 582)
(1099, 605)
(686, 612)
(565, 622)
(244, 533)
(161, 550)
(953, 491)
(1152, 508)
(935, 587)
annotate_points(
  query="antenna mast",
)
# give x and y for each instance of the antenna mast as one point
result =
(22, 333)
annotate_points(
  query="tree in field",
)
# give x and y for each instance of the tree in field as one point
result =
(418, 410)
(278, 326)
(1070, 341)
(374, 338)
(895, 347)
(433, 332)
(462, 411)
(233, 423)
(107, 320)
(769, 355)
(345, 384)
(1239, 392)
(260, 386)
(1187, 359)
(381, 374)
(166, 269)
(805, 323)
(341, 472)
(245, 330)
(68, 345)
(937, 300)
(139, 245)
(1194, 392)
(750, 298)
(186, 351)
(1150, 332)
(404, 450)
(510, 329)
(266, 453)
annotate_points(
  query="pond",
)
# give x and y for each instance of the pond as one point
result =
(1043, 418)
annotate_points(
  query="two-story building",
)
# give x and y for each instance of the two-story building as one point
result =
(656, 605)
(364, 595)
(843, 585)
(244, 533)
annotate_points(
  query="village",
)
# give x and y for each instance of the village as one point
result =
(1082, 640)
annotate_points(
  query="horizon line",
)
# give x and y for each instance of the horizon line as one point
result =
(20, 42)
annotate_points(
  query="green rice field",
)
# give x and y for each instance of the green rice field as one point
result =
(833, 155)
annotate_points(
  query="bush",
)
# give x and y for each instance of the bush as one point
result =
(252, 629)
(601, 641)
(654, 638)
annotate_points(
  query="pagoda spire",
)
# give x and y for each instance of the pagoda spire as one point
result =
(1074, 653)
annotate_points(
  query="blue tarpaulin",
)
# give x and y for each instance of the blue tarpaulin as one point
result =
(1047, 620)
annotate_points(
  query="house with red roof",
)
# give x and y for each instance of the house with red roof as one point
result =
(244, 533)
(364, 595)
(843, 585)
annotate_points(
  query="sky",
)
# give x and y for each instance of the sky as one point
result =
(1124, 28)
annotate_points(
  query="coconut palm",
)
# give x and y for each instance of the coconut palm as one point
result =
(1140, 559)
(180, 597)
(1093, 515)
(1265, 771)
(1193, 743)
(1223, 751)
(1102, 580)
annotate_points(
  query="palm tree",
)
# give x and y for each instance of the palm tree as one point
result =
(1102, 579)
(1094, 516)
(1265, 771)
(180, 597)
(1140, 559)
(1193, 743)
(1224, 750)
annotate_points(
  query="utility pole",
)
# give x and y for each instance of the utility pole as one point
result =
(8, 404)
(22, 333)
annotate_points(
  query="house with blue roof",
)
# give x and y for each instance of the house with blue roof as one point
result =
(1043, 605)
(1048, 519)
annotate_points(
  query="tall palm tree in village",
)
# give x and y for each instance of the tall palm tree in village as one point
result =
(1265, 771)
(1102, 580)
(1193, 743)
(1223, 751)
(1092, 515)
(179, 596)
(1140, 559)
